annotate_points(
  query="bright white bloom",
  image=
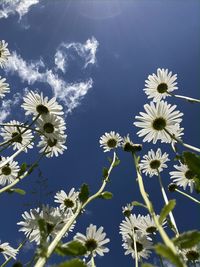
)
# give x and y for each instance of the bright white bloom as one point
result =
(8, 172)
(158, 117)
(38, 104)
(130, 225)
(53, 217)
(110, 141)
(157, 86)
(52, 147)
(67, 201)
(143, 246)
(148, 226)
(94, 240)
(4, 53)
(52, 126)
(153, 162)
(4, 87)
(127, 210)
(183, 176)
(8, 251)
(19, 139)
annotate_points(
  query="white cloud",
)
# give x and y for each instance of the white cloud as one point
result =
(10, 7)
(36, 71)
(7, 105)
(86, 51)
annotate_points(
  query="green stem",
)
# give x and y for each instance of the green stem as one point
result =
(18, 248)
(167, 202)
(181, 142)
(42, 260)
(188, 196)
(92, 261)
(149, 205)
(135, 249)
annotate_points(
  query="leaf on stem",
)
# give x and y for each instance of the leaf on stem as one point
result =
(187, 239)
(106, 195)
(23, 168)
(193, 162)
(73, 248)
(16, 190)
(73, 263)
(166, 252)
(136, 203)
(84, 193)
(105, 172)
(166, 210)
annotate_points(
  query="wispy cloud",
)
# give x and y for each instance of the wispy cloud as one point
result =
(11, 7)
(7, 105)
(86, 51)
(37, 71)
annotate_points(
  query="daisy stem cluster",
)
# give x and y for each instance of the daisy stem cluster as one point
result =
(42, 260)
(167, 202)
(149, 205)
(135, 249)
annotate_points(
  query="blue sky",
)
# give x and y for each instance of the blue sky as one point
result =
(109, 49)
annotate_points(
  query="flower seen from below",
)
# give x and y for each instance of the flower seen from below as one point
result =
(9, 172)
(110, 141)
(4, 53)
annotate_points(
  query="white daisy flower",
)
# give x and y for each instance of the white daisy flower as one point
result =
(67, 201)
(53, 217)
(158, 117)
(4, 53)
(110, 141)
(8, 172)
(52, 126)
(158, 86)
(130, 225)
(148, 225)
(8, 251)
(127, 210)
(52, 147)
(129, 146)
(143, 246)
(191, 254)
(19, 139)
(153, 162)
(4, 87)
(38, 104)
(183, 177)
(94, 240)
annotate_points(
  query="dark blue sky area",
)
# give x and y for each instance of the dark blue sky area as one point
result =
(135, 38)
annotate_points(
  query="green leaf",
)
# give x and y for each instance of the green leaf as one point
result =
(16, 190)
(106, 195)
(147, 265)
(105, 172)
(136, 203)
(166, 210)
(73, 263)
(166, 252)
(23, 168)
(197, 185)
(117, 162)
(31, 169)
(84, 193)
(73, 248)
(193, 162)
(17, 264)
(187, 239)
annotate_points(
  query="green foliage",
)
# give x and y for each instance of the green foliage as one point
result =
(166, 210)
(32, 167)
(23, 168)
(84, 193)
(16, 190)
(17, 264)
(147, 265)
(193, 162)
(166, 252)
(106, 195)
(136, 203)
(187, 239)
(105, 172)
(117, 162)
(73, 263)
(73, 248)
(197, 185)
